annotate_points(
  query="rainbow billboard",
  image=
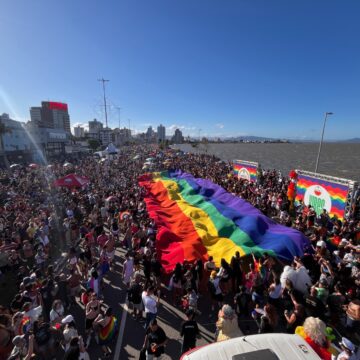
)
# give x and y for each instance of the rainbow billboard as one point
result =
(322, 194)
(245, 170)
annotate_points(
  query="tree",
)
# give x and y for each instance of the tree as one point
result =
(3, 130)
(93, 144)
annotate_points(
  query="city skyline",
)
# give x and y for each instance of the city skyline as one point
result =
(231, 69)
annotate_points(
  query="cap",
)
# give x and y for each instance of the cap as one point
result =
(348, 344)
(17, 338)
(321, 244)
(67, 319)
(343, 242)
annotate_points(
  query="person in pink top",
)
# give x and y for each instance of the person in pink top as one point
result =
(102, 239)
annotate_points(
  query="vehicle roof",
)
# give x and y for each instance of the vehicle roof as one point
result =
(285, 346)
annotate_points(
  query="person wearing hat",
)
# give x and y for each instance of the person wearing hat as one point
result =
(347, 352)
(20, 350)
(215, 290)
(227, 325)
(70, 330)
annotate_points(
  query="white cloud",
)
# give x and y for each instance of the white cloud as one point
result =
(185, 129)
(83, 125)
(219, 125)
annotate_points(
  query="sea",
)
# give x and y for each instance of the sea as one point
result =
(337, 159)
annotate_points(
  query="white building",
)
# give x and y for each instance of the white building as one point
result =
(161, 133)
(106, 136)
(79, 131)
(94, 129)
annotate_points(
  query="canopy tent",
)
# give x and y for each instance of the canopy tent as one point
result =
(72, 181)
(111, 149)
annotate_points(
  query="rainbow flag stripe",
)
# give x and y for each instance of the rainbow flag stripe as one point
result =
(108, 332)
(197, 218)
(251, 169)
(338, 193)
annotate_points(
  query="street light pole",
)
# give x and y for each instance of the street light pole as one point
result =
(105, 105)
(321, 141)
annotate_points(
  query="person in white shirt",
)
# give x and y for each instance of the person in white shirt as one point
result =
(128, 269)
(69, 330)
(150, 305)
(348, 351)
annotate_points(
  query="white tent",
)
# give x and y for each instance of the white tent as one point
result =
(111, 149)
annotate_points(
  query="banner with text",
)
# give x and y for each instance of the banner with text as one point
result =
(321, 194)
(246, 170)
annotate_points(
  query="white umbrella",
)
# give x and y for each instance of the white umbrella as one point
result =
(136, 157)
(150, 159)
(13, 166)
(67, 164)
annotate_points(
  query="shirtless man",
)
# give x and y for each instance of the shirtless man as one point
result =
(110, 248)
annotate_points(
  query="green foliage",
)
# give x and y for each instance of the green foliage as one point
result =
(94, 144)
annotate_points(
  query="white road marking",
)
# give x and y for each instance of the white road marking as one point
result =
(121, 331)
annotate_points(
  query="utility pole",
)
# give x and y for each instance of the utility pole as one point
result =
(321, 141)
(103, 84)
(119, 111)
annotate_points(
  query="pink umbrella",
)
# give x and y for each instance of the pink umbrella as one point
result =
(33, 166)
(111, 198)
(72, 181)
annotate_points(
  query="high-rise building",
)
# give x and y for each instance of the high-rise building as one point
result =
(161, 133)
(178, 137)
(52, 115)
(106, 136)
(79, 131)
(94, 129)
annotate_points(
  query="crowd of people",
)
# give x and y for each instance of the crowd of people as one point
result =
(39, 221)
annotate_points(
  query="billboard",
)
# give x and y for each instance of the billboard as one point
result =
(246, 170)
(322, 194)
(58, 106)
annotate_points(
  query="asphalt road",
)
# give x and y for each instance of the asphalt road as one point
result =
(131, 335)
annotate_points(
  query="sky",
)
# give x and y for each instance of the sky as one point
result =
(208, 67)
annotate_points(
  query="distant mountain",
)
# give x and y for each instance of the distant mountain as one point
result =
(253, 139)
(354, 140)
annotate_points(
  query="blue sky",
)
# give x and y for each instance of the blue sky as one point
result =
(227, 67)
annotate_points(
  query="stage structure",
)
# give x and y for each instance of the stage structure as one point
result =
(334, 194)
(246, 170)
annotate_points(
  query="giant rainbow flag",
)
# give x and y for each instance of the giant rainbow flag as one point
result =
(197, 218)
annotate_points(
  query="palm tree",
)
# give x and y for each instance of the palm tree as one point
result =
(3, 130)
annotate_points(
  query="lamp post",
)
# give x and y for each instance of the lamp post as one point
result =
(321, 141)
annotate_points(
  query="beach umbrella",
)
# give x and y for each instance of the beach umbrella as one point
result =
(14, 166)
(111, 198)
(72, 181)
(102, 160)
(67, 164)
(150, 159)
(145, 167)
(33, 166)
(50, 166)
(136, 157)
